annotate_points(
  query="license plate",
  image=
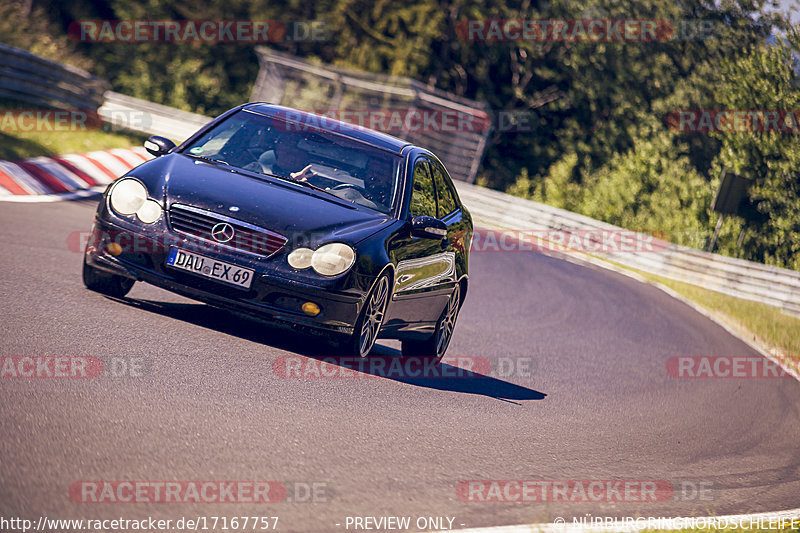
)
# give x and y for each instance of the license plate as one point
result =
(209, 268)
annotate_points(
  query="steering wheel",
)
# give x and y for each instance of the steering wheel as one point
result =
(255, 152)
(345, 186)
(254, 166)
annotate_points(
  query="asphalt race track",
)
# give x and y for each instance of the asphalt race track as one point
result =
(578, 390)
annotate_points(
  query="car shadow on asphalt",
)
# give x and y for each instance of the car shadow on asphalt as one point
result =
(316, 356)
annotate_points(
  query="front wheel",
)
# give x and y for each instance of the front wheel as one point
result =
(104, 282)
(435, 347)
(369, 323)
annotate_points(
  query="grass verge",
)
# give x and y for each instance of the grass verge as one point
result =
(16, 144)
(22, 145)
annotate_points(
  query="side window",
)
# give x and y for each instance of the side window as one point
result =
(423, 195)
(445, 196)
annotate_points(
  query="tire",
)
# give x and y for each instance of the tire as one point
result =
(369, 322)
(435, 347)
(104, 282)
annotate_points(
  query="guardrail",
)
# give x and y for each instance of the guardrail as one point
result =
(778, 287)
(28, 78)
(146, 117)
(292, 81)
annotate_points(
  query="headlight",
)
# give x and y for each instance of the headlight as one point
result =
(300, 258)
(128, 196)
(333, 259)
(149, 212)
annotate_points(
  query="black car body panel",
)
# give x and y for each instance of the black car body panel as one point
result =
(279, 215)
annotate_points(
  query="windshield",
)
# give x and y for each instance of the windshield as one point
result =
(349, 169)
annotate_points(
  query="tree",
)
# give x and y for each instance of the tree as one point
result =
(765, 79)
(651, 187)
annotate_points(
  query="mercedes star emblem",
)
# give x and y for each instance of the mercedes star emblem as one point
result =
(222, 232)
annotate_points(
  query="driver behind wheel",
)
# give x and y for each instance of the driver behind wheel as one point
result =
(286, 160)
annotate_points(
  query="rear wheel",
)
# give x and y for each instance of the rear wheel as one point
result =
(104, 282)
(369, 323)
(435, 347)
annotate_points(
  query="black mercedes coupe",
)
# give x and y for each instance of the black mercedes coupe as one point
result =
(294, 218)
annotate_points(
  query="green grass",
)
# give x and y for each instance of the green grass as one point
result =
(760, 322)
(22, 145)
(16, 145)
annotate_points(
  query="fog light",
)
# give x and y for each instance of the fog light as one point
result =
(114, 249)
(310, 308)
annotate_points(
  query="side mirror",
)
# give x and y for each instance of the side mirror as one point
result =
(158, 145)
(428, 228)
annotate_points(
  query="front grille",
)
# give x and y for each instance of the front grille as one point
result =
(246, 237)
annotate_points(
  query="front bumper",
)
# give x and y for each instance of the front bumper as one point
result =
(272, 295)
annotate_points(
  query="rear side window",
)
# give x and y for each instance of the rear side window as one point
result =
(445, 196)
(423, 195)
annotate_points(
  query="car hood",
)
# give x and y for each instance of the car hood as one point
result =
(299, 214)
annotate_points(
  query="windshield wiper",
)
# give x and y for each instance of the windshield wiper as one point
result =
(305, 183)
(209, 159)
(310, 185)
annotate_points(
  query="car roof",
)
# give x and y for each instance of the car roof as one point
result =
(323, 123)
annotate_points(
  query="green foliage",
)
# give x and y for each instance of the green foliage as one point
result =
(766, 79)
(207, 78)
(651, 187)
(36, 33)
(389, 36)
(557, 188)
